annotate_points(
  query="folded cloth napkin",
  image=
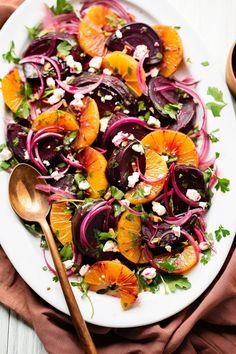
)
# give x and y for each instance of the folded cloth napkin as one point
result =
(207, 326)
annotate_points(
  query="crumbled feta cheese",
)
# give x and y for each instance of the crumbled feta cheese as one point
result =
(119, 34)
(204, 246)
(165, 157)
(68, 264)
(126, 111)
(110, 246)
(84, 269)
(203, 205)
(107, 72)
(131, 137)
(5, 154)
(51, 83)
(138, 148)
(26, 155)
(95, 62)
(69, 80)
(56, 175)
(193, 195)
(125, 202)
(147, 190)
(168, 248)
(133, 179)
(84, 185)
(154, 122)
(158, 208)
(154, 72)
(149, 273)
(119, 138)
(91, 70)
(58, 94)
(176, 230)
(46, 162)
(77, 103)
(106, 98)
(140, 51)
(75, 66)
(104, 124)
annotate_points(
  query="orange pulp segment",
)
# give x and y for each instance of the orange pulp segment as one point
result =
(60, 221)
(60, 119)
(12, 90)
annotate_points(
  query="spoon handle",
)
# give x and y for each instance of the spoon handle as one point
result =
(78, 321)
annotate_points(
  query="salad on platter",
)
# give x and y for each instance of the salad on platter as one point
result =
(123, 144)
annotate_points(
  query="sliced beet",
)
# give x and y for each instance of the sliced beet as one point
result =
(67, 183)
(185, 118)
(119, 166)
(16, 141)
(50, 149)
(135, 34)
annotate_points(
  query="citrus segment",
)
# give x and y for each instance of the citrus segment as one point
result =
(156, 168)
(12, 90)
(88, 124)
(95, 165)
(117, 279)
(60, 221)
(61, 119)
(172, 49)
(125, 66)
(174, 144)
(94, 30)
(182, 262)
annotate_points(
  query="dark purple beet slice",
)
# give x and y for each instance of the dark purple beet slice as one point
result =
(49, 150)
(16, 141)
(185, 118)
(119, 166)
(67, 183)
(136, 34)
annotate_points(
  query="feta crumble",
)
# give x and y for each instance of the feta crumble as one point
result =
(140, 51)
(147, 190)
(84, 269)
(110, 246)
(152, 121)
(68, 264)
(138, 148)
(77, 103)
(168, 248)
(104, 124)
(119, 138)
(193, 195)
(5, 154)
(75, 66)
(133, 179)
(204, 246)
(106, 98)
(95, 63)
(26, 155)
(84, 185)
(159, 209)
(203, 205)
(176, 230)
(46, 163)
(119, 34)
(51, 83)
(107, 72)
(57, 95)
(149, 273)
(154, 72)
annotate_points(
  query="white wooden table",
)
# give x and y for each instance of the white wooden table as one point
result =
(215, 21)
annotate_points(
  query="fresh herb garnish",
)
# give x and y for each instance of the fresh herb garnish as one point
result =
(222, 184)
(66, 253)
(116, 193)
(221, 232)
(168, 265)
(10, 56)
(62, 7)
(189, 60)
(212, 137)
(141, 106)
(171, 109)
(177, 27)
(83, 286)
(130, 217)
(205, 63)
(33, 31)
(174, 282)
(64, 48)
(118, 209)
(206, 256)
(69, 138)
(215, 107)
(55, 279)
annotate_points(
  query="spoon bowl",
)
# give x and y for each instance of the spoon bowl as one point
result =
(231, 70)
(32, 205)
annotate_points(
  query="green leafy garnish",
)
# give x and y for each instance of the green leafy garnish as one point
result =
(69, 138)
(33, 31)
(130, 217)
(141, 106)
(215, 93)
(159, 55)
(10, 56)
(153, 286)
(104, 236)
(171, 109)
(55, 279)
(177, 27)
(176, 281)
(205, 63)
(215, 108)
(64, 48)
(118, 209)
(168, 265)
(189, 60)
(221, 232)
(35, 230)
(62, 7)
(83, 286)
(66, 252)
(116, 193)
(212, 137)
(206, 256)
(222, 184)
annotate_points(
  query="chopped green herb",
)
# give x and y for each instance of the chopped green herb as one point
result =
(43, 243)
(116, 193)
(74, 283)
(222, 184)
(35, 229)
(171, 109)
(130, 217)
(104, 236)
(141, 106)
(153, 286)
(69, 138)
(176, 281)
(130, 70)
(189, 60)
(56, 279)
(139, 193)
(217, 155)
(177, 27)
(66, 253)
(33, 31)
(168, 265)
(83, 286)
(221, 232)
(4, 165)
(212, 137)
(215, 108)
(159, 55)
(23, 110)
(16, 141)
(215, 93)
(206, 256)
(64, 48)
(45, 268)
(205, 63)
(10, 56)
(62, 6)
(118, 209)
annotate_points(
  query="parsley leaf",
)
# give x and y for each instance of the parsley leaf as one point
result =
(176, 281)
(215, 93)
(66, 252)
(189, 60)
(205, 63)
(171, 109)
(116, 193)
(33, 31)
(62, 7)
(222, 184)
(10, 56)
(177, 27)
(212, 137)
(221, 232)
(118, 209)
(206, 256)
(24, 110)
(168, 265)
(215, 108)
(64, 48)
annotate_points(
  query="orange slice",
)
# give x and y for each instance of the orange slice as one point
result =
(174, 144)
(95, 165)
(156, 168)
(125, 66)
(60, 221)
(182, 262)
(61, 119)
(129, 238)
(94, 30)
(88, 124)
(173, 49)
(113, 275)
(12, 90)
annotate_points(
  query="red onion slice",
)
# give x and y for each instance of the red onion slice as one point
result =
(141, 79)
(82, 90)
(112, 4)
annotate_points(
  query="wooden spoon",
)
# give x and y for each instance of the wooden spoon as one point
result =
(32, 205)
(231, 70)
